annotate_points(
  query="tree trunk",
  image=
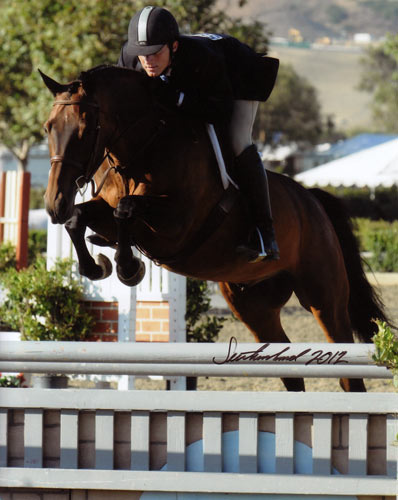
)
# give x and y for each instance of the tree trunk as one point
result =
(21, 154)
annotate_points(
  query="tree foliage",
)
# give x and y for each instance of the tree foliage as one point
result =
(200, 326)
(380, 78)
(65, 37)
(62, 38)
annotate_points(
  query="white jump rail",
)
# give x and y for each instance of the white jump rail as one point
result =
(210, 409)
(233, 359)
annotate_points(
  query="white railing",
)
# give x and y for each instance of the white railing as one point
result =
(202, 442)
(191, 359)
(157, 285)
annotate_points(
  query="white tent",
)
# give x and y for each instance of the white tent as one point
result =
(372, 167)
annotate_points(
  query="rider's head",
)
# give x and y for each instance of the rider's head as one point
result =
(153, 37)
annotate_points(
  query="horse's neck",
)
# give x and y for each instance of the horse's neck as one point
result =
(154, 141)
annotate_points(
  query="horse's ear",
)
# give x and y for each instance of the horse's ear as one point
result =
(52, 85)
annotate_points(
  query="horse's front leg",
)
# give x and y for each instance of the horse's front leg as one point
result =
(84, 215)
(130, 270)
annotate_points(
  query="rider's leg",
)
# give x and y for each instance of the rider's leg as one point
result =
(252, 178)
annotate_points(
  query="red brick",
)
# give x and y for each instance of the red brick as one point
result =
(103, 305)
(93, 338)
(105, 327)
(143, 312)
(165, 326)
(110, 314)
(109, 338)
(158, 337)
(142, 337)
(160, 313)
(150, 326)
(150, 303)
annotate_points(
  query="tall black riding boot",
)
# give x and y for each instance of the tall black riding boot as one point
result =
(253, 182)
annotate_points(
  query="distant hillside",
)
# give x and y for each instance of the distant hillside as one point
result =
(338, 19)
(335, 75)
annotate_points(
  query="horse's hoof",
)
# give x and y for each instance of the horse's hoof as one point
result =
(105, 264)
(136, 278)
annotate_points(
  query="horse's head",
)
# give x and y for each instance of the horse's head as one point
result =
(74, 145)
(78, 130)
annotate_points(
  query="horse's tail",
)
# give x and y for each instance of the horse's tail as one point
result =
(365, 305)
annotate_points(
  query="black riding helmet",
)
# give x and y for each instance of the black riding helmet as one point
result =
(149, 30)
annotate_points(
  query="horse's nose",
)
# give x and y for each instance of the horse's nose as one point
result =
(58, 210)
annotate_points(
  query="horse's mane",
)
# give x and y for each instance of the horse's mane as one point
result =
(108, 72)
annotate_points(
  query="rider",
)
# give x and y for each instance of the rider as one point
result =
(219, 80)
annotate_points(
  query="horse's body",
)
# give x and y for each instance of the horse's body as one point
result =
(174, 182)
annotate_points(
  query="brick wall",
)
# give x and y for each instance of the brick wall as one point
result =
(152, 324)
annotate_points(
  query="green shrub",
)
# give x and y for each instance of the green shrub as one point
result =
(37, 244)
(8, 257)
(386, 353)
(45, 305)
(12, 380)
(380, 239)
(381, 203)
(200, 326)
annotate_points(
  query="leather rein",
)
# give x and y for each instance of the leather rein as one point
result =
(83, 180)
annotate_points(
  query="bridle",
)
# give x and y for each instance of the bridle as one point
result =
(83, 180)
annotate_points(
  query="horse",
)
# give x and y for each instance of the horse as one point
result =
(159, 189)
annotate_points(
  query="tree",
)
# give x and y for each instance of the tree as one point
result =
(65, 37)
(60, 38)
(380, 77)
(293, 112)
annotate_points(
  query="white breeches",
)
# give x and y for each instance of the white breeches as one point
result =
(243, 116)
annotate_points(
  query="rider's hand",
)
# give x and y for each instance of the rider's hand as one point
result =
(166, 94)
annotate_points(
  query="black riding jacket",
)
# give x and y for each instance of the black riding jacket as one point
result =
(211, 71)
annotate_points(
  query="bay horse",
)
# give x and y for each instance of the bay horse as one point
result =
(159, 189)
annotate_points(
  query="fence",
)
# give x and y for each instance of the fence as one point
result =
(160, 444)
(14, 212)
(153, 311)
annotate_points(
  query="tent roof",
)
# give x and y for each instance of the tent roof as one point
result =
(372, 167)
(358, 143)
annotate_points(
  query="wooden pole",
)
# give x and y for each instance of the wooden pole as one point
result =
(23, 220)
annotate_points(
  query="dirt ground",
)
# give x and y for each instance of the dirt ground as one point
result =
(300, 326)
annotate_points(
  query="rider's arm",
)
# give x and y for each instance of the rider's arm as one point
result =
(199, 87)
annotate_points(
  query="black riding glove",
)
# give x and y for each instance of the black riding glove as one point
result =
(166, 94)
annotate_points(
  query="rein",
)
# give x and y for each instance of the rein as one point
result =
(84, 180)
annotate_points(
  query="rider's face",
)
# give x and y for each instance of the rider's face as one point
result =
(155, 64)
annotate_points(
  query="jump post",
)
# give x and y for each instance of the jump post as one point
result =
(103, 443)
(14, 212)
